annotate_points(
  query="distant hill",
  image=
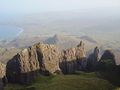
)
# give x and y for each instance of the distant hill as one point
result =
(62, 41)
(25, 42)
(7, 54)
(65, 41)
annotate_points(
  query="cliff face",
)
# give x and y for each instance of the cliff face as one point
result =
(108, 57)
(26, 65)
(44, 59)
(48, 57)
(2, 70)
(73, 59)
(108, 54)
(93, 60)
(107, 61)
(2, 75)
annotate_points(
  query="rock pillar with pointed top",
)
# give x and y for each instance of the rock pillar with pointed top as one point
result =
(93, 60)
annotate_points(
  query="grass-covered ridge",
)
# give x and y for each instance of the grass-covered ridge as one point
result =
(78, 81)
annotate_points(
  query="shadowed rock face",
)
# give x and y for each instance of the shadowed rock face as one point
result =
(93, 59)
(48, 57)
(73, 59)
(24, 66)
(107, 61)
(27, 64)
(2, 75)
(108, 55)
(44, 59)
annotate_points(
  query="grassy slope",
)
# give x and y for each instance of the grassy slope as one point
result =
(80, 81)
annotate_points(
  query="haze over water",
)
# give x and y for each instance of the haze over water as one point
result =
(96, 17)
(9, 32)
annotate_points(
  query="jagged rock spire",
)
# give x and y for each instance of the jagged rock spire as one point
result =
(96, 53)
(93, 59)
(81, 44)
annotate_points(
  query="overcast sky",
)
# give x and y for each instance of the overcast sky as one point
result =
(36, 6)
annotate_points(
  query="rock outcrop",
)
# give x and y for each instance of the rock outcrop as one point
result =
(2, 70)
(107, 61)
(44, 59)
(93, 59)
(48, 57)
(108, 54)
(23, 67)
(26, 65)
(73, 59)
(2, 75)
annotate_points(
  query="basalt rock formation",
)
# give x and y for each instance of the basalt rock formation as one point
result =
(23, 67)
(93, 60)
(26, 65)
(107, 61)
(47, 59)
(44, 59)
(108, 54)
(2, 75)
(73, 59)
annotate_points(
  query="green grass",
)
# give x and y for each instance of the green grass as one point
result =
(78, 81)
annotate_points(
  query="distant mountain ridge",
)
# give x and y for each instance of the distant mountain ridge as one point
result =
(62, 41)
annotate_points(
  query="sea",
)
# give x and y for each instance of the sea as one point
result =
(8, 32)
